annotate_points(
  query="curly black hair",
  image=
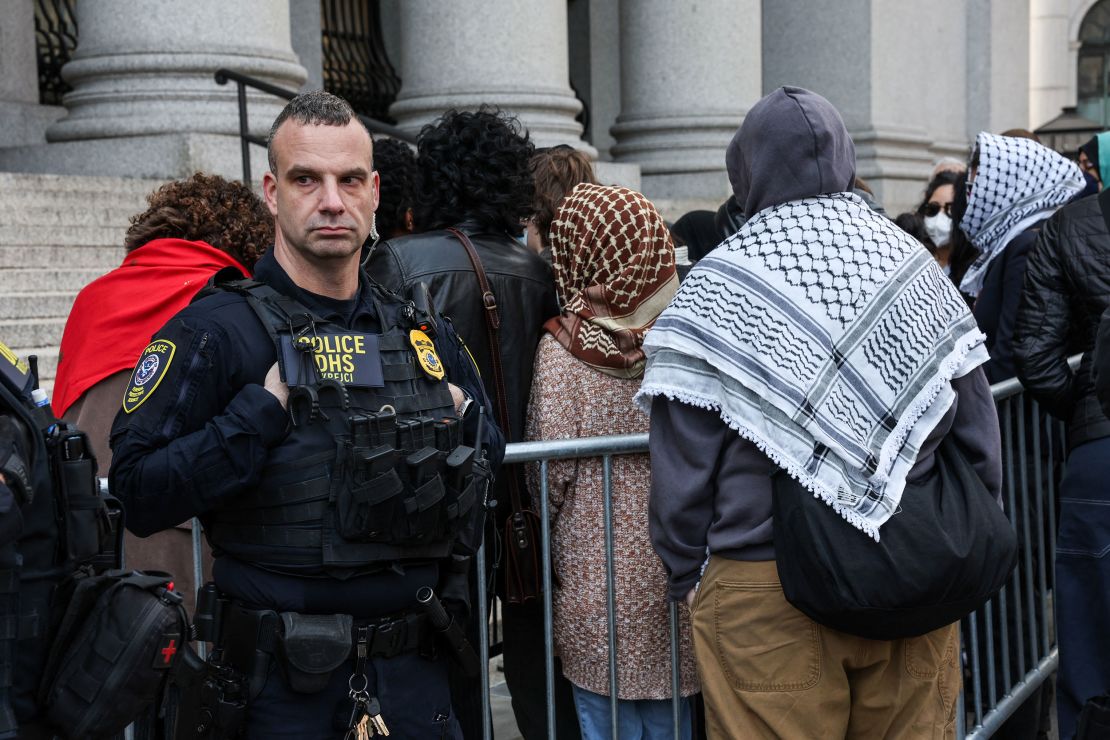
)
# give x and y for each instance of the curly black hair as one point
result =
(206, 208)
(474, 165)
(396, 165)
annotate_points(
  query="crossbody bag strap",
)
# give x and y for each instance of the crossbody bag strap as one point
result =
(493, 327)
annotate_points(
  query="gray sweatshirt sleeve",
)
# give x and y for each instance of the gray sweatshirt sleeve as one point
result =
(976, 428)
(685, 444)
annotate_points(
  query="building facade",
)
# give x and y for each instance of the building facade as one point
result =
(653, 88)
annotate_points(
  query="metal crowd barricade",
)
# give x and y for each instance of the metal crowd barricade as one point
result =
(1008, 646)
(1010, 642)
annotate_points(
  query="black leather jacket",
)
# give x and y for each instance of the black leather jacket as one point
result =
(1067, 288)
(519, 279)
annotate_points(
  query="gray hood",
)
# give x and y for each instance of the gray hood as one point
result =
(792, 145)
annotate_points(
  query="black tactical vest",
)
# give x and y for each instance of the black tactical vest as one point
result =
(368, 476)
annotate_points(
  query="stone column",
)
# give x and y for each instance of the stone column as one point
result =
(145, 67)
(144, 101)
(689, 72)
(509, 53)
(998, 68)
(22, 119)
(305, 32)
(1051, 71)
(910, 79)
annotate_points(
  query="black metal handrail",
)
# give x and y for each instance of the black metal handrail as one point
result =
(246, 138)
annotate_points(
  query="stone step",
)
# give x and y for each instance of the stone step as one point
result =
(46, 213)
(34, 332)
(30, 305)
(132, 203)
(61, 235)
(17, 181)
(59, 256)
(34, 281)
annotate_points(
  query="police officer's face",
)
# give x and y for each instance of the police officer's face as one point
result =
(324, 192)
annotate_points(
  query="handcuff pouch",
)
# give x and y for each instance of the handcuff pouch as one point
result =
(313, 646)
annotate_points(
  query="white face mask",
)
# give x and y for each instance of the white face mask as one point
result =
(939, 228)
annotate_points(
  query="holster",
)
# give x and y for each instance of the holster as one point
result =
(204, 701)
(248, 641)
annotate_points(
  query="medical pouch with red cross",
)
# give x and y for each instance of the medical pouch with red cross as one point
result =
(111, 653)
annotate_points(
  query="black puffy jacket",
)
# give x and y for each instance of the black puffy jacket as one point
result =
(520, 280)
(1067, 288)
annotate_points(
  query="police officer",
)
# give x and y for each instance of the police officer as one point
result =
(324, 431)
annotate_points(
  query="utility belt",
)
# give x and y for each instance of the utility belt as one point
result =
(210, 698)
(306, 648)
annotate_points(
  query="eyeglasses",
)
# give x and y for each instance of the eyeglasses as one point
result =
(932, 209)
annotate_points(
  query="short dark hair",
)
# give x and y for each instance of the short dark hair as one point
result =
(474, 165)
(555, 171)
(316, 108)
(396, 165)
(206, 208)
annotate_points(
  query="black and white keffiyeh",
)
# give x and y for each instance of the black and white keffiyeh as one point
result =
(1018, 183)
(825, 335)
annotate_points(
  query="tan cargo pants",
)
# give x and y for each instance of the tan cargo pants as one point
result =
(768, 671)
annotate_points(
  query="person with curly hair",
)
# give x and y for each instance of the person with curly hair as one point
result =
(192, 229)
(475, 182)
(396, 166)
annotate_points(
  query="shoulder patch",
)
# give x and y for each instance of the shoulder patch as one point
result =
(148, 373)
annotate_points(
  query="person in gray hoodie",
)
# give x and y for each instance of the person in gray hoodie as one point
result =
(822, 340)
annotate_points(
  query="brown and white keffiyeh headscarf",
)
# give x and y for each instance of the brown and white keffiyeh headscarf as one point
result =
(613, 260)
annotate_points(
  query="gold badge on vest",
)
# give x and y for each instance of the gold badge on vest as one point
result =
(426, 354)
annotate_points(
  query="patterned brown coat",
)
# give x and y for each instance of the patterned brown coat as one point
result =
(571, 399)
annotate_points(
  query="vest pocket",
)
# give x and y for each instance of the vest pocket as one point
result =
(372, 511)
(423, 512)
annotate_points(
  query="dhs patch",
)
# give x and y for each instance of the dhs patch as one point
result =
(149, 371)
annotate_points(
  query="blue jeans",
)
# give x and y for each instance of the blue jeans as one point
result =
(1083, 582)
(644, 719)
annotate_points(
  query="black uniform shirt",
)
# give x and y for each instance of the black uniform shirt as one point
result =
(204, 425)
